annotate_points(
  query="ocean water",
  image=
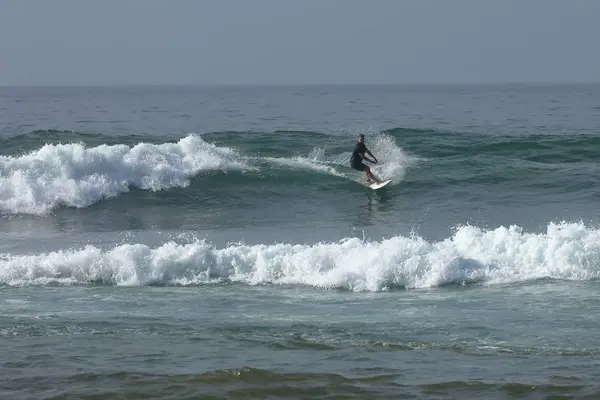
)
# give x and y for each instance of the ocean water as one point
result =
(212, 242)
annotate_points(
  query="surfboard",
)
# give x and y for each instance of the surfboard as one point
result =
(376, 186)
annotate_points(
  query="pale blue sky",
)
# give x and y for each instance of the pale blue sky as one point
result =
(297, 41)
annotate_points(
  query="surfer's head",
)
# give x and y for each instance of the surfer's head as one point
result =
(361, 137)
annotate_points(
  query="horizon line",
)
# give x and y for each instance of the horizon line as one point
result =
(231, 84)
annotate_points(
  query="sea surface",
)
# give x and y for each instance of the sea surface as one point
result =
(212, 242)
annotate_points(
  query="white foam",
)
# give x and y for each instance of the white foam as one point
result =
(503, 255)
(392, 160)
(76, 176)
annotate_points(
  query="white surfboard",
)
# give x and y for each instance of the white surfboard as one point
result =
(376, 186)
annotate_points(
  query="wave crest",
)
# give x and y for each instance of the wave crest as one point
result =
(76, 176)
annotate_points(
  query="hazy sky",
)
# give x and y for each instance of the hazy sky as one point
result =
(297, 41)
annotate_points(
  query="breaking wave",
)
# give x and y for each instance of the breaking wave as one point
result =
(567, 251)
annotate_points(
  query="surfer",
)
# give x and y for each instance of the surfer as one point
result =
(358, 154)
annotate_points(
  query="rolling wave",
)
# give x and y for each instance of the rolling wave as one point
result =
(76, 176)
(566, 251)
(83, 171)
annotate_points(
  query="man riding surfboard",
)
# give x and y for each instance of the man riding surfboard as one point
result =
(358, 155)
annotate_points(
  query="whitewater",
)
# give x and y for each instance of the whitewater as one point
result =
(76, 176)
(472, 255)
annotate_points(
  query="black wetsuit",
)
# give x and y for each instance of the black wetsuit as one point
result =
(356, 158)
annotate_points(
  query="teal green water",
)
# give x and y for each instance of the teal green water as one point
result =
(189, 242)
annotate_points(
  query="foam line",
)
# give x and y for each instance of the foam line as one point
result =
(471, 255)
